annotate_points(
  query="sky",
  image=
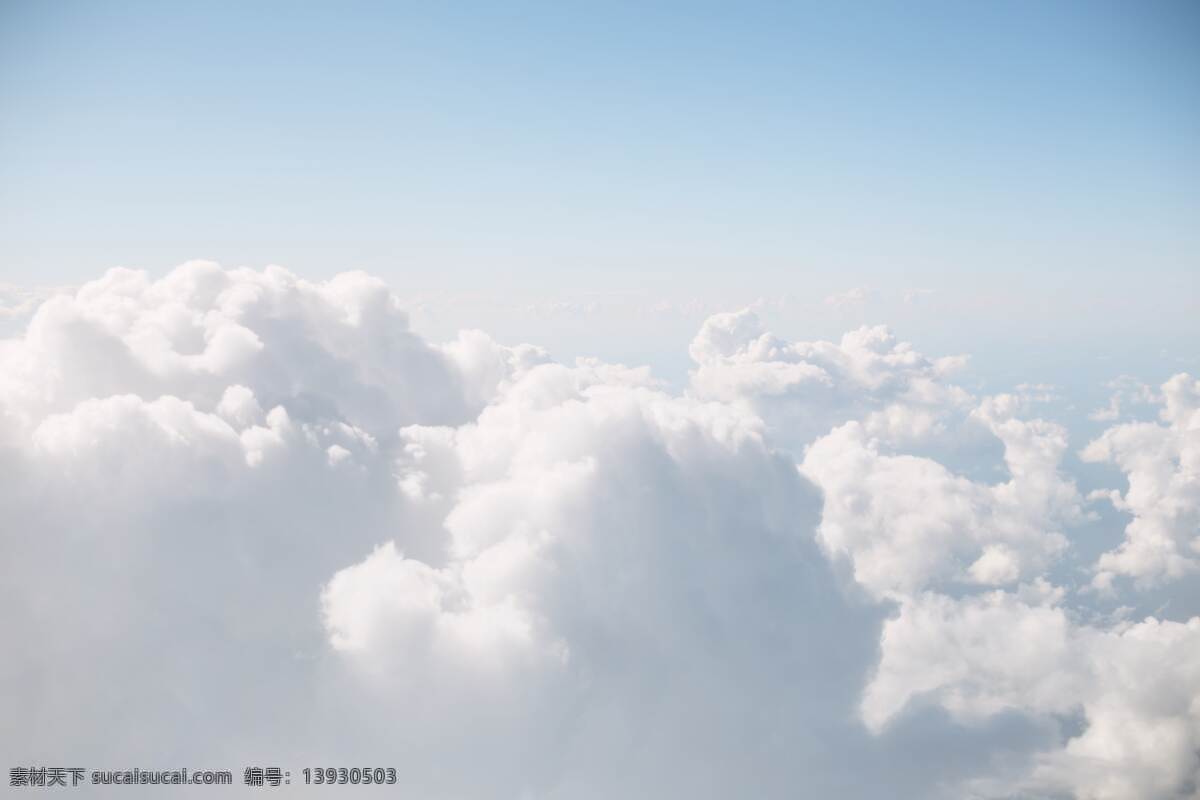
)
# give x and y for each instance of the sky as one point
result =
(566, 401)
(1026, 162)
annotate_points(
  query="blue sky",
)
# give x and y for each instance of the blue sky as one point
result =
(1032, 163)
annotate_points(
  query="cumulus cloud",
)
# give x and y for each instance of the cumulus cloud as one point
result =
(1161, 462)
(255, 519)
(341, 348)
(803, 389)
(622, 559)
(932, 540)
(907, 522)
(1135, 688)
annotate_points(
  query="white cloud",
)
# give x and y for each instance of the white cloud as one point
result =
(624, 560)
(1135, 687)
(249, 516)
(338, 348)
(1162, 464)
(907, 522)
(803, 389)
(919, 534)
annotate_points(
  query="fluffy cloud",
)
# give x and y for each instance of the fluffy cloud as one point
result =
(187, 461)
(262, 520)
(917, 532)
(1135, 687)
(907, 522)
(625, 560)
(1162, 464)
(803, 389)
(341, 349)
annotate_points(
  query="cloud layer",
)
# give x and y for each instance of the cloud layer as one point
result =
(254, 519)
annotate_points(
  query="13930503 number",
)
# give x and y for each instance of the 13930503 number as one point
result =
(344, 775)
